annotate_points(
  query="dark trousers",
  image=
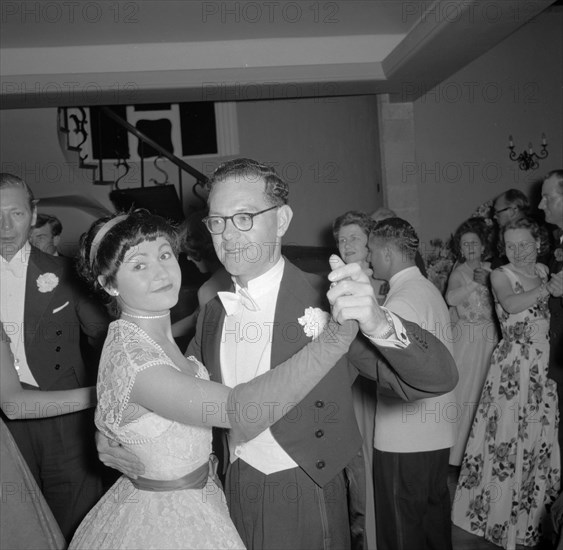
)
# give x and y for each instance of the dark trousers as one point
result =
(412, 501)
(61, 455)
(560, 427)
(287, 510)
(355, 473)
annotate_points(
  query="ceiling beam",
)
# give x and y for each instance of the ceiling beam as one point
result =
(449, 35)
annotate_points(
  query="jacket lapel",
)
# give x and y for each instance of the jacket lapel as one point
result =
(295, 295)
(36, 303)
(211, 339)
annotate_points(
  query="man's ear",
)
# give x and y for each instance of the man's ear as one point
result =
(285, 214)
(56, 240)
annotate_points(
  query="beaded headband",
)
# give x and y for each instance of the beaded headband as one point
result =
(105, 229)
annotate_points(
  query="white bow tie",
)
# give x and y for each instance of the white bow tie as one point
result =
(17, 268)
(233, 302)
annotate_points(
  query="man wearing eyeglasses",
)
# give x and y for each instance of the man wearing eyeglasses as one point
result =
(297, 466)
(286, 487)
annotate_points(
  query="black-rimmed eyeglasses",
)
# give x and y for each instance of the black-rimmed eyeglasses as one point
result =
(243, 221)
(503, 210)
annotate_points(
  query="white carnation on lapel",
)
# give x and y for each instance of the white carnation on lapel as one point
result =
(314, 321)
(47, 282)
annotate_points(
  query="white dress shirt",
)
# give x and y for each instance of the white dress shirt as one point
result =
(12, 304)
(246, 346)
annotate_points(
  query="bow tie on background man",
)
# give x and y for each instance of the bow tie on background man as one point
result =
(16, 268)
(234, 302)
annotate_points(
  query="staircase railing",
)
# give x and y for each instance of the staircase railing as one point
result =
(183, 166)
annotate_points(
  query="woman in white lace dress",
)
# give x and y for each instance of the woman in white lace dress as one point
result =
(161, 405)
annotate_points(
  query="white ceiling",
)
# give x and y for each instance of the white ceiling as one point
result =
(77, 53)
(150, 21)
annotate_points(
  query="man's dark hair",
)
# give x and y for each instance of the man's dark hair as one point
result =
(53, 222)
(517, 199)
(398, 233)
(276, 190)
(9, 180)
(558, 174)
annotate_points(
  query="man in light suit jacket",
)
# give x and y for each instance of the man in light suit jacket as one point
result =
(44, 311)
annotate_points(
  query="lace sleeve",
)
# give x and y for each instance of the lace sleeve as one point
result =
(127, 351)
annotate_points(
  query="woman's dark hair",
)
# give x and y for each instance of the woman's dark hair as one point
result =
(361, 219)
(479, 227)
(108, 253)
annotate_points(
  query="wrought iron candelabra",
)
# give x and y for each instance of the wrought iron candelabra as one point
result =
(528, 160)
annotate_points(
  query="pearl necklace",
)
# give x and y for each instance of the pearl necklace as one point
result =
(146, 316)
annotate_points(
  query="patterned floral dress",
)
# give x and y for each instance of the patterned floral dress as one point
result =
(126, 517)
(510, 470)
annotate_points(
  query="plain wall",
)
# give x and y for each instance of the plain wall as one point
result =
(462, 125)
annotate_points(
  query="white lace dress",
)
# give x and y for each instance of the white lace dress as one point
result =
(126, 517)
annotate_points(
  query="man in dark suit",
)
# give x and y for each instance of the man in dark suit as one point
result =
(46, 234)
(552, 205)
(44, 312)
(298, 466)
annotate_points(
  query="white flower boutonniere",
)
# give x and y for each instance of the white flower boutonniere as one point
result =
(47, 282)
(314, 321)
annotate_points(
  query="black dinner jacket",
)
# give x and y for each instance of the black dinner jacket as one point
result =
(321, 434)
(53, 321)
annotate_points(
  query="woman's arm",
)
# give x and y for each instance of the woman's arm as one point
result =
(169, 393)
(458, 290)
(19, 403)
(511, 301)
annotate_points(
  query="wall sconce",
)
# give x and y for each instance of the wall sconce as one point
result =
(528, 160)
